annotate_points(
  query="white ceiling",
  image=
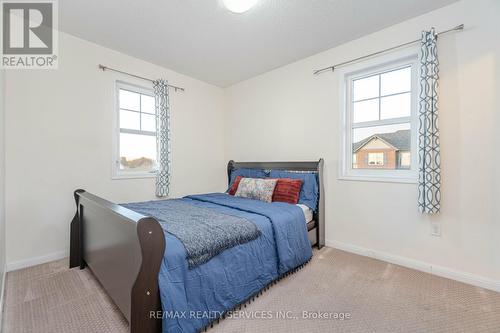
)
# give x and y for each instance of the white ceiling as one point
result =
(202, 39)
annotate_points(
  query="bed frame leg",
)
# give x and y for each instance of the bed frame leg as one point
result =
(321, 207)
(146, 310)
(76, 242)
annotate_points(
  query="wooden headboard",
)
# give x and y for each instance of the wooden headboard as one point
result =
(316, 167)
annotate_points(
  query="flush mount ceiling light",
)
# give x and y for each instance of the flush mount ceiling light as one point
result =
(239, 6)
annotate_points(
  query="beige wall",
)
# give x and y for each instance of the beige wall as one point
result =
(2, 188)
(59, 138)
(289, 114)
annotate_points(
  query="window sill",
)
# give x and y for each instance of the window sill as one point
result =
(134, 175)
(376, 179)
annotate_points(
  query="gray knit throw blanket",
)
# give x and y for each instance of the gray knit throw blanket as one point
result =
(204, 232)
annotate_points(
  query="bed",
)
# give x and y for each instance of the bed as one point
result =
(144, 269)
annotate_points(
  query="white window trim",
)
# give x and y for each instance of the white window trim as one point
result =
(366, 68)
(116, 172)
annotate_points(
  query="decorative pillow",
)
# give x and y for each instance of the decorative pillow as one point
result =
(287, 190)
(234, 186)
(247, 173)
(256, 188)
(310, 189)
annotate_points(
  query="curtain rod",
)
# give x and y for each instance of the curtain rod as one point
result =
(332, 68)
(104, 68)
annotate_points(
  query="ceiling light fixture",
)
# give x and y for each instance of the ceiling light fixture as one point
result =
(239, 6)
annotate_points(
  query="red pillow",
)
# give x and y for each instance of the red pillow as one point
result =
(234, 186)
(287, 190)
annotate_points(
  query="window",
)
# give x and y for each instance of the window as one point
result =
(135, 149)
(376, 159)
(379, 113)
(405, 160)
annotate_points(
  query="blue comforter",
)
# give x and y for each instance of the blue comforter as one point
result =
(204, 232)
(193, 298)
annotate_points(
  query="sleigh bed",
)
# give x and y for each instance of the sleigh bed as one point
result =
(142, 267)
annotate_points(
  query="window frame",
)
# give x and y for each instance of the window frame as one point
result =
(115, 162)
(374, 66)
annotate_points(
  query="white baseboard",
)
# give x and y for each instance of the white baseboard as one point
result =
(15, 265)
(445, 272)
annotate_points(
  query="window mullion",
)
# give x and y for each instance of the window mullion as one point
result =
(364, 99)
(138, 132)
(396, 94)
(379, 98)
(123, 109)
(140, 112)
(391, 121)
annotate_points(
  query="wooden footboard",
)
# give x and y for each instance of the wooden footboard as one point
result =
(124, 250)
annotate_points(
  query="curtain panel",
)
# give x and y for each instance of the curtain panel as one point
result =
(429, 179)
(162, 137)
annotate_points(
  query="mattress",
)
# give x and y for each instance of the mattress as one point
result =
(308, 213)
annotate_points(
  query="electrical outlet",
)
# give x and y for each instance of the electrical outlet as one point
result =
(436, 229)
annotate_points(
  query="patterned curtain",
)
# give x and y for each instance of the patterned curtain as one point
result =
(162, 137)
(429, 179)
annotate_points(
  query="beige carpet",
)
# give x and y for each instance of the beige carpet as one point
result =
(379, 297)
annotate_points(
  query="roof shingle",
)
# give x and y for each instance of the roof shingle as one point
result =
(401, 140)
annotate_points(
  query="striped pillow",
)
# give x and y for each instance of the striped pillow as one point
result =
(287, 190)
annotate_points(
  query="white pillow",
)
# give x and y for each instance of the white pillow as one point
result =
(256, 188)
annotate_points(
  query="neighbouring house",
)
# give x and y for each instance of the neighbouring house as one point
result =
(142, 163)
(383, 151)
